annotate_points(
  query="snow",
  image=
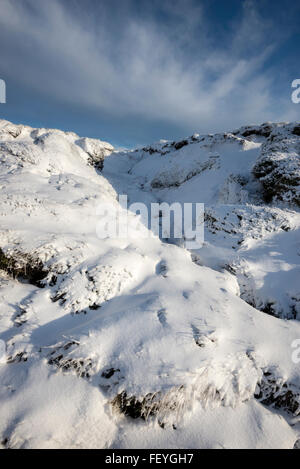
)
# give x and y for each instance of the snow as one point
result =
(197, 343)
(252, 427)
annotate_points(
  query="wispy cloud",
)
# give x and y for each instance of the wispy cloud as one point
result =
(158, 65)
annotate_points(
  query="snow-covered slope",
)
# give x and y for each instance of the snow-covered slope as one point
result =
(249, 181)
(141, 343)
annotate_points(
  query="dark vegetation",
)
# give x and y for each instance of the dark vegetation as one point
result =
(24, 266)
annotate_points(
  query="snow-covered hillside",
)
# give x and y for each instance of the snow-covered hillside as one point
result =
(126, 343)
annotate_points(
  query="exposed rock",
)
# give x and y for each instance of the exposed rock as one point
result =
(20, 265)
(278, 168)
(279, 394)
(96, 150)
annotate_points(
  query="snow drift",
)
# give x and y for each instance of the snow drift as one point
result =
(112, 343)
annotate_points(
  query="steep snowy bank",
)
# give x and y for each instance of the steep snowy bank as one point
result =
(249, 180)
(144, 328)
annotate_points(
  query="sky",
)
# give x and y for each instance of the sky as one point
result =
(136, 71)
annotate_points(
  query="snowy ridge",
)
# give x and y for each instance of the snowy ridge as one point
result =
(103, 332)
(254, 171)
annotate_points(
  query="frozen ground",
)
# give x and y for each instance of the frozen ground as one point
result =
(126, 343)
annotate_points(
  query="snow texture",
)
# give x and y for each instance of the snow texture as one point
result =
(123, 343)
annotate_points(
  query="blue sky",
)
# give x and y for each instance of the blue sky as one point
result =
(135, 71)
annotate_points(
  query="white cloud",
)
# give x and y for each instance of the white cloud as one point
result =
(141, 66)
